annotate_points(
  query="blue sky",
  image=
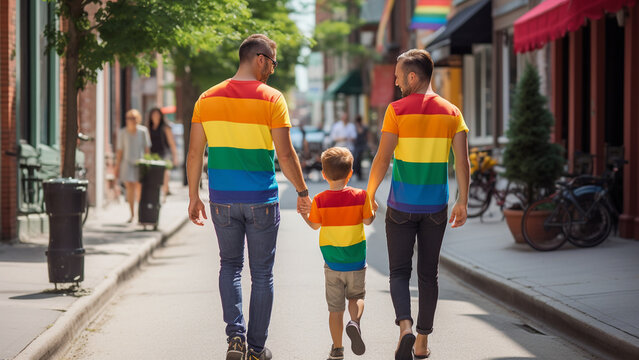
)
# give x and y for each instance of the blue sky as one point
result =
(304, 16)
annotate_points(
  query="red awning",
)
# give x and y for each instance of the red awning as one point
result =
(552, 19)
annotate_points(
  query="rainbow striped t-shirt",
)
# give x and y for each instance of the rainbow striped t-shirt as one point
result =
(342, 239)
(237, 117)
(425, 125)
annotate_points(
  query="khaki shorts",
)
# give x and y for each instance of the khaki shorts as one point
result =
(342, 285)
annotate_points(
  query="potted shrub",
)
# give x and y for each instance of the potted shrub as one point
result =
(530, 159)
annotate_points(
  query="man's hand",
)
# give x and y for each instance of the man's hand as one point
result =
(304, 205)
(374, 205)
(458, 215)
(197, 212)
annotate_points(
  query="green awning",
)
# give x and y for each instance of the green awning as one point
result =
(350, 84)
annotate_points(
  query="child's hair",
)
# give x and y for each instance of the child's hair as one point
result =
(337, 163)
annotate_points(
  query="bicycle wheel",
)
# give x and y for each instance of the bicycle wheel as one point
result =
(478, 199)
(593, 227)
(542, 224)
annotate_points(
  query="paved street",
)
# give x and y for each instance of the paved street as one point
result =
(171, 309)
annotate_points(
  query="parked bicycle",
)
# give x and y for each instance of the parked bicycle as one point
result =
(483, 186)
(580, 211)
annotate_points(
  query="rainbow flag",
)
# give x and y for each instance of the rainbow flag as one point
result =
(430, 14)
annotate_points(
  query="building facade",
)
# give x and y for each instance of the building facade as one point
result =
(31, 117)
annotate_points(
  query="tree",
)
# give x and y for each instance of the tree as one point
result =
(210, 65)
(530, 158)
(131, 32)
(199, 67)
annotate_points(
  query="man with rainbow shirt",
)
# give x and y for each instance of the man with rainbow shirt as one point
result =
(419, 129)
(244, 121)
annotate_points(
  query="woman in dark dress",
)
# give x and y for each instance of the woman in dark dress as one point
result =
(162, 142)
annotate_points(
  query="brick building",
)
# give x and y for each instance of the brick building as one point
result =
(31, 108)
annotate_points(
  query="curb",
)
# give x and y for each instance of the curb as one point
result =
(586, 330)
(54, 340)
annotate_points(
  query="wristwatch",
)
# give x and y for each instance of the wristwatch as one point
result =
(303, 193)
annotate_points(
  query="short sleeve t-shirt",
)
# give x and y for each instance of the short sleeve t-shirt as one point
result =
(425, 125)
(134, 145)
(237, 117)
(342, 239)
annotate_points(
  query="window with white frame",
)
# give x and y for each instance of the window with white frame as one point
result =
(478, 94)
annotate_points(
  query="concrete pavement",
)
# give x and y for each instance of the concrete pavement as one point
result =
(171, 310)
(591, 294)
(35, 320)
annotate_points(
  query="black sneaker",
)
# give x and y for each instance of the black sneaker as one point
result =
(336, 353)
(355, 334)
(237, 348)
(264, 355)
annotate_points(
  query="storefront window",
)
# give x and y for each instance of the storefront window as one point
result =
(477, 69)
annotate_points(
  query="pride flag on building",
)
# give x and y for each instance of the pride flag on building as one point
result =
(430, 14)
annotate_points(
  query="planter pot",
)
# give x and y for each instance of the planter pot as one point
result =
(152, 179)
(513, 219)
(65, 200)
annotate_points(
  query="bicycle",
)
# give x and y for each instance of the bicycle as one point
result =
(483, 187)
(580, 212)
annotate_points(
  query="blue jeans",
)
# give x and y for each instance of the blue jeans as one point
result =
(258, 224)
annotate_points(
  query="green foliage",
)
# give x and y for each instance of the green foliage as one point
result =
(334, 37)
(152, 158)
(133, 31)
(211, 65)
(530, 158)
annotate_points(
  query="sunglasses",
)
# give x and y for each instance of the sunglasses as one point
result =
(268, 57)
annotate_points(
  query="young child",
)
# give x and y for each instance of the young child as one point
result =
(341, 212)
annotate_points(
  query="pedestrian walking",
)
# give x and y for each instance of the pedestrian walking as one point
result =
(162, 142)
(419, 129)
(132, 143)
(341, 213)
(344, 134)
(244, 121)
(361, 145)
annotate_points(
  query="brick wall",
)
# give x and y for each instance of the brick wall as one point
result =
(8, 164)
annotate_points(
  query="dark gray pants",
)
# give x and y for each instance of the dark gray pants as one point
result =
(401, 231)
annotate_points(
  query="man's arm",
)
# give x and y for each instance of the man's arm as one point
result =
(462, 173)
(387, 146)
(197, 143)
(290, 165)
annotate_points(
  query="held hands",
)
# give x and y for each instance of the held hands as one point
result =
(304, 205)
(458, 215)
(197, 212)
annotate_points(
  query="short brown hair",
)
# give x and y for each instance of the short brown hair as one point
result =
(417, 61)
(257, 43)
(337, 163)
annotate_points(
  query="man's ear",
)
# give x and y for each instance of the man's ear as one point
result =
(324, 175)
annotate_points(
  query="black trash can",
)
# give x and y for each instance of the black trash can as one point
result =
(152, 179)
(65, 201)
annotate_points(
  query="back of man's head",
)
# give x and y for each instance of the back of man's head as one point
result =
(417, 61)
(257, 44)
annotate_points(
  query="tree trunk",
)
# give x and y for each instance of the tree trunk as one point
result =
(71, 89)
(186, 94)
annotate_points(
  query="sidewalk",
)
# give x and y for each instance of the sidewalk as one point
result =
(591, 295)
(35, 320)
